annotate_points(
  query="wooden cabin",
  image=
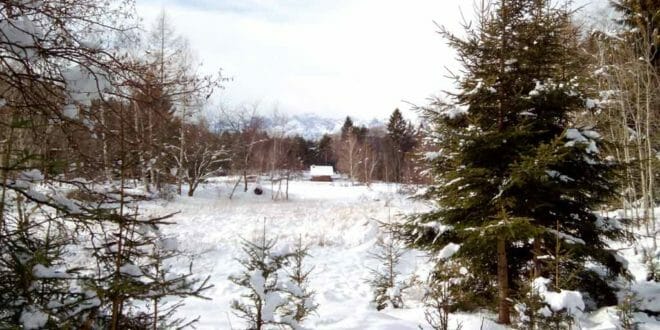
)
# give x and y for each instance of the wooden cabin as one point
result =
(321, 173)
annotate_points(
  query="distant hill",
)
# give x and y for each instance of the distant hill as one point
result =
(312, 126)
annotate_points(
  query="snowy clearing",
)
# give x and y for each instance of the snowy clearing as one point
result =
(339, 222)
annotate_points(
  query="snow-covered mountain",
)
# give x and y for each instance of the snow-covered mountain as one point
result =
(313, 126)
(307, 125)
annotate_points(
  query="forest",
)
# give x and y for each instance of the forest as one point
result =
(529, 191)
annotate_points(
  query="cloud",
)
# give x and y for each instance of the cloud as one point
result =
(274, 10)
(360, 57)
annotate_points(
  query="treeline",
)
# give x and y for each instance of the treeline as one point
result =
(261, 146)
(90, 109)
(97, 116)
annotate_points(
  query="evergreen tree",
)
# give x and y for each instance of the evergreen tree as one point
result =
(402, 140)
(440, 297)
(385, 282)
(400, 132)
(302, 297)
(325, 155)
(347, 128)
(642, 18)
(36, 284)
(521, 175)
(270, 299)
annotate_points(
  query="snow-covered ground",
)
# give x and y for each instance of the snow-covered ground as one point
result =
(340, 223)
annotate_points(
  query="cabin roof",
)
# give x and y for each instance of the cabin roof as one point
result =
(321, 170)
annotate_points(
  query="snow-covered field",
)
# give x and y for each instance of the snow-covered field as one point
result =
(339, 222)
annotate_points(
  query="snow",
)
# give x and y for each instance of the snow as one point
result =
(42, 271)
(308, 125)
(538, 89)
(556, 175)
(432, 155)
(83, 84)
(31, 176)
(393, 292)
(339, 221)
(564, 300)
(448, 251)
(130, 270)
(169, 244)
(476, 88)
(574, 134)
(454, 111)
(320, 170)
(295, 290)
(591, 103)
(591, 134)
(584, 137)
(272, 301)
(566, 237)
(32, 318)
(258, 283)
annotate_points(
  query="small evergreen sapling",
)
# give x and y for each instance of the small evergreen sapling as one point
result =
(131, 279)
(266, 299)
(164, 283)
(440, 299)
(531, 310)
(386, 286)
(301, 298)
(628, 305)
(36, 285)
(543, 307)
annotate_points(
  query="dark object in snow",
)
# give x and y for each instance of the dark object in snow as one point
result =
(258, 191)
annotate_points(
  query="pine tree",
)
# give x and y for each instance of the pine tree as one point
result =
(347, 128)
(36, 284)
(302, 303)
(401, 138)
(325, 155)
(517, 174)
(441, 295)
(265, 302)
(385, 283)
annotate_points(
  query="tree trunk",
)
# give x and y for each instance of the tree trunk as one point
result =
(537, 253)
(288, 175)
(235, 186)
(503, 283)
(104, 149)
(182, 146)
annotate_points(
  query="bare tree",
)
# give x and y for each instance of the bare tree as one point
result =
(246, 130)
(201, 159)
(175, 68)
(630, 102)
(349, 148)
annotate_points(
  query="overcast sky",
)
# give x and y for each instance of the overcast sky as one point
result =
(362, 58)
